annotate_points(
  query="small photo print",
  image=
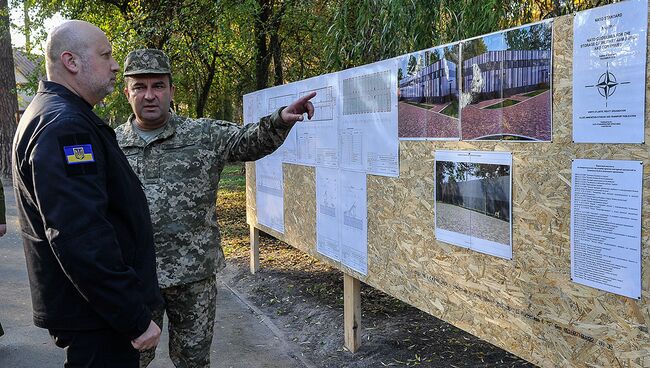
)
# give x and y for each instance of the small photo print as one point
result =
(473, 200)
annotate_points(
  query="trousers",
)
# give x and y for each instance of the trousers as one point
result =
(190, 310)
(95, 349)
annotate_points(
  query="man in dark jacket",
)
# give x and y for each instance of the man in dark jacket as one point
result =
(3, 226)
(3, 218)
(83, 215)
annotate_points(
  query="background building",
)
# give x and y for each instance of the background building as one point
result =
(435, 83)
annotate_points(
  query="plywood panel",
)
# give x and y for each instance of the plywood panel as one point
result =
(528, 305)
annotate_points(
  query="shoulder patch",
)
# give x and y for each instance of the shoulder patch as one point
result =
(79, 154)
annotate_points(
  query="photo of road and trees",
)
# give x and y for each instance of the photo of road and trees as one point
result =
(473, 199)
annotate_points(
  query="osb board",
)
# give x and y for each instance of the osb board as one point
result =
(528, 305)
(299, 210)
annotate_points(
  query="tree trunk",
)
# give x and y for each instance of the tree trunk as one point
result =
(27, 26)
(207, 83)
(8, 98)
(277, 59)
(274, 44)
(262, 57)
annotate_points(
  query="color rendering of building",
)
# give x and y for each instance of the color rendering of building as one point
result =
(435, 83)
(510, 71)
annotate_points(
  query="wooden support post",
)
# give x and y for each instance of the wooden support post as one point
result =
(352, 312)
(255, 249)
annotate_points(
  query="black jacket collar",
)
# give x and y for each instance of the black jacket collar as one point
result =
(49, 87)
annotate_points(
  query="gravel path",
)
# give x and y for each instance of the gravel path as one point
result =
(468, 222)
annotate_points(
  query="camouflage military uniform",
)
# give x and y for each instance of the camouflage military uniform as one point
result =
(180, 168)
(180, 172)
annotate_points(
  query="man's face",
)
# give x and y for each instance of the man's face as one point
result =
(149, 96)
(98, 67)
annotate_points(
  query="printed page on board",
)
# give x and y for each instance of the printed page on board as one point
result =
(273, 99)
(328, 213)
(606, 197)
(473, 207)
(318, 138)
(368, 138)
(506, 89)
(269, 192)
(353, 221)
(609, 73)
(427, 89)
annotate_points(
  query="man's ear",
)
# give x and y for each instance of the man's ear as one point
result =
(171, 95)
(71, 62)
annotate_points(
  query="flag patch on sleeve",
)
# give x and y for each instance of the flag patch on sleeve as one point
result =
(79, 154)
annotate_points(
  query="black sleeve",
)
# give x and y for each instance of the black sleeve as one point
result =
(3, 219)
(72, 198)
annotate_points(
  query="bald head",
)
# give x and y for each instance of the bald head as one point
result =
(79, 56)
(75, 36)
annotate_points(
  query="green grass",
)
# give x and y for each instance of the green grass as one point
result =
(233, 177)
(502, 104)
(419, 104)
(451, 109)
(535, 93)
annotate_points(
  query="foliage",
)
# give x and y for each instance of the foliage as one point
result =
(473, 48)
(535, 37)
(223, 49)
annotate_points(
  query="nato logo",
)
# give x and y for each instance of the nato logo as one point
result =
(607, 84)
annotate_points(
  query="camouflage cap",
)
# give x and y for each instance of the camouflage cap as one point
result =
(146, 61)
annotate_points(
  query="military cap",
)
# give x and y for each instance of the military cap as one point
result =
(146, 61)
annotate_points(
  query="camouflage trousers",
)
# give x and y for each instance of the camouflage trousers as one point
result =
(190, 310)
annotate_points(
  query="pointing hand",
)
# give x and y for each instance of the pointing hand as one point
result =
(293, 113)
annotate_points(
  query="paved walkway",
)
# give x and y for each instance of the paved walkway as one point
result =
(243, 338)
(529, 118)
(418, 122)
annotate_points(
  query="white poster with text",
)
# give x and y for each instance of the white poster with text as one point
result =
(609, 64)
(269, 192)
(353, 220)
(327, 213)
(606, 225)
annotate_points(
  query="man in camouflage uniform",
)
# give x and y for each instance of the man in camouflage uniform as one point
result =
(179, 161)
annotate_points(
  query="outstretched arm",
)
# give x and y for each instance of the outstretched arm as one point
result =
(253, 141)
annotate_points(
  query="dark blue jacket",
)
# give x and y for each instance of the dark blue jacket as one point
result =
(84, 218)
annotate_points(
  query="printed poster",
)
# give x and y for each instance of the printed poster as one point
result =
(428, 94)
(269, 192)
(473, 200)
(328, 213)
(606, 198)
(609, 64)
(506, 85)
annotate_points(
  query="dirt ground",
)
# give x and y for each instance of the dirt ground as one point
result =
(305, 299)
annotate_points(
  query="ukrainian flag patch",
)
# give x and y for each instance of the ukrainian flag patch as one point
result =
(79, 154)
